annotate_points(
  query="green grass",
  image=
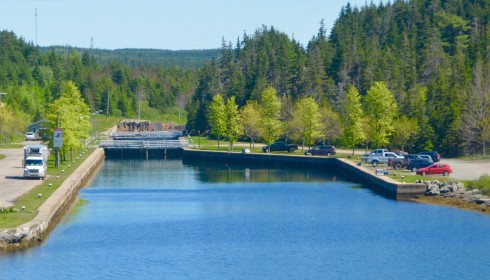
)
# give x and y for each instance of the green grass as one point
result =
(14, 216)
(11, 146)
(2, 156)
(483, 184)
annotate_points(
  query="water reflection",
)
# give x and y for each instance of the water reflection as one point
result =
(219, 172)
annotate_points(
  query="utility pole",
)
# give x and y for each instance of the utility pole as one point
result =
(35, 15)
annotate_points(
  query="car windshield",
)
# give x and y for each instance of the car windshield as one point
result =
(35, 162)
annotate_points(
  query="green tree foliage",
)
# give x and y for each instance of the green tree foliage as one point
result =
(331, 126)
(353, 119)
(32, 78)
(306, 121)
(475, 126)
(234, 126)
(404, 129)
(72, 114)
(217, 116)
(415, 46)
(251, 121)
(7, 125)
(381, 109)
(270, 126)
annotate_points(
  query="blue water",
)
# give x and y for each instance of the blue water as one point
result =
(167, 220)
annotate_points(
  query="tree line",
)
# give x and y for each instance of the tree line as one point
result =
(431, 56)
(31, 78)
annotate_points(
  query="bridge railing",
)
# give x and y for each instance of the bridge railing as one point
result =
(145, 144)
(148, 135)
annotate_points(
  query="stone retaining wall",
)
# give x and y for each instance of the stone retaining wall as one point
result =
(380, 184)
(50, 211)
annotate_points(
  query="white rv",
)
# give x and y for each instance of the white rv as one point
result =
(35, 161)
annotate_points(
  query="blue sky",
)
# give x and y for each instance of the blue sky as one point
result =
(164, 24)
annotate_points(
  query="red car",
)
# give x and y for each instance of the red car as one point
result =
(436, 168)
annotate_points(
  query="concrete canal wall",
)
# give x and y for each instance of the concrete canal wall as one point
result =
(380, 184)
(52, 209)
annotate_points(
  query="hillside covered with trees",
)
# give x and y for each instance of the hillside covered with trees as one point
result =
(420, 69)
(411, 75)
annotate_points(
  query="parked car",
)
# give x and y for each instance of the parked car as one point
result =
(327, 150)
(434, 155)
(435, 169)
(417, 163)
(31, 136)
(399, 163)
(280, 146)
(379, 151)
(427, 157)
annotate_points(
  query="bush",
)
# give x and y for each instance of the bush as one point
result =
(482, 184)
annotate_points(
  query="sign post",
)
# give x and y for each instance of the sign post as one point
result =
(57, 144)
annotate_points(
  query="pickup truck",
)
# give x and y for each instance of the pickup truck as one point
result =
(280, 146)
(383, 157)
(399, 163)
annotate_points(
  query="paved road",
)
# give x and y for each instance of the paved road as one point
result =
(468, 169)
(12, 184)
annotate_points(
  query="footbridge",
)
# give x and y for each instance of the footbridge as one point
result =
(144, 144)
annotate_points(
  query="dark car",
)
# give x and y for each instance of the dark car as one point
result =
(327, 150)
(280, 146)
(417, 163)
(398, 163)
(434, 155)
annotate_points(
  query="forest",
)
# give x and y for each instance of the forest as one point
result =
(425, 63)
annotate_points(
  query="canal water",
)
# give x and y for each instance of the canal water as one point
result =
(163, 219)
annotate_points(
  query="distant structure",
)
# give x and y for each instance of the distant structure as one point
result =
(35, 15)
(91, 43)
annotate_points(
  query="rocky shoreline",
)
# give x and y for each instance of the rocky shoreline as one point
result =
(454, 194)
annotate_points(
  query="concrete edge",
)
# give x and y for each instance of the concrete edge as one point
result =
(381, 184)
(32, 232)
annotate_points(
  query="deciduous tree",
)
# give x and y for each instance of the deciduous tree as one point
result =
(72, 114)
(234, 126)
(381, 110)
(217, 117)
(270, 112)
(353, 119)
(306, 121)
(251, 118)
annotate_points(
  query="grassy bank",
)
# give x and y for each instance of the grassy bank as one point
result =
(483, 184)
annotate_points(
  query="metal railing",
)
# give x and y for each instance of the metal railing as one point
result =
(157, 135)
(144, 144)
